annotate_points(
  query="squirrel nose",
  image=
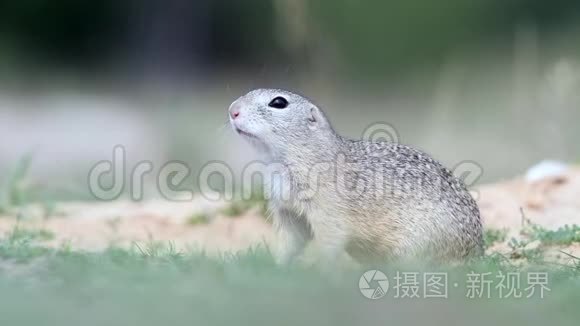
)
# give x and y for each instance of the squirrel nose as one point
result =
(235, 110)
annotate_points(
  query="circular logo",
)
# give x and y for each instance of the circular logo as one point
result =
(373, 284)
(379, 132)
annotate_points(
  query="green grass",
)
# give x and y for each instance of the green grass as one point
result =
(197, 219)
(156, 284)
(16, 191)
(236, 209)
(565, 235)
(240, 207)
(492, 236)
(21, 234)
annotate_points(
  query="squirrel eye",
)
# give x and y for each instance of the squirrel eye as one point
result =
(279, 103)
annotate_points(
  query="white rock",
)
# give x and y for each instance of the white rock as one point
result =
(545, 169)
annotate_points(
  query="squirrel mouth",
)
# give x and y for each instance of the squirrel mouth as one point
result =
(252, 139)
(244, 133)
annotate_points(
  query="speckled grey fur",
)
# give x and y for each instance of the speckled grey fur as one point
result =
(379, 201)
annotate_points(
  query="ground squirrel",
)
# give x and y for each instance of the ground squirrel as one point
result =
(379, 201)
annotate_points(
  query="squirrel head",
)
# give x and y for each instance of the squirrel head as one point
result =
(275, 121)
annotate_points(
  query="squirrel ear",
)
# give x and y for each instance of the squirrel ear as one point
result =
(314, 115)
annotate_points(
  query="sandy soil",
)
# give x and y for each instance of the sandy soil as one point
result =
(90, 226)
(551, 202)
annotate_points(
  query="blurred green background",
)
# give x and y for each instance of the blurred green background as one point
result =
(371, 38)
(496, 82)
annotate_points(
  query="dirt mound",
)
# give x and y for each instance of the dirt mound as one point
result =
(547, 203)
(199, 224)
(539, 215)
(550, 202)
